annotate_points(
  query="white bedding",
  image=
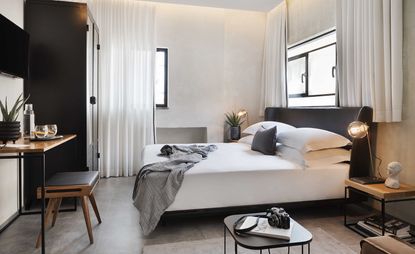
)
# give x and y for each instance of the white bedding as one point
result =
(234, 175)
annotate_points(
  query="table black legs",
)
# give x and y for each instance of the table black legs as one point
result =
(383, 217)
(20, 183)
(43, 203)
(224, 239)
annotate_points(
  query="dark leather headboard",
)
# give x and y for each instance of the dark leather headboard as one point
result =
(335, 120)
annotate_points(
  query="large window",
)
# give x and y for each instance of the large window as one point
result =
(311, 72)
(161, 78)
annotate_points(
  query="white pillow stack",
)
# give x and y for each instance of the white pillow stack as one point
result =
(312, 147)
(314, 158)
(309, 147)
(281, 127)
(252, 129)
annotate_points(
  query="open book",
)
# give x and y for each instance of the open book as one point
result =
(264, 229)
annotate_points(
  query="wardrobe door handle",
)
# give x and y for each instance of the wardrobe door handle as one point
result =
(333, 72)
(302, 77)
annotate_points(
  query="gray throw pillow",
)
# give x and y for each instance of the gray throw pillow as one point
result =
(265, 141)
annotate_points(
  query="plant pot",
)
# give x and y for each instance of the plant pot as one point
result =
(9, 131)
(235, 133)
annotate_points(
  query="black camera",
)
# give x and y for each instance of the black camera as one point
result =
(278, 217)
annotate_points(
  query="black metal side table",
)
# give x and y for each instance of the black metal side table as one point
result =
(299, 237)
(378, 192)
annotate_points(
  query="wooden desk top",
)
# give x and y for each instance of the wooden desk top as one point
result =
(381, 191)
(36, 146)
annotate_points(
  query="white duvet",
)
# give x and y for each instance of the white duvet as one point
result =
(234, 175)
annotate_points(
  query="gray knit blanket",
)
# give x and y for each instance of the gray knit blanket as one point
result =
(157, 184)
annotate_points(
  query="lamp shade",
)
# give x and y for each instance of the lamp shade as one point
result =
(358, 129)
(242, 113)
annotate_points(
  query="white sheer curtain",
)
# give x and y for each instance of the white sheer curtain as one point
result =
(126, 83)
(273, 93)
(369, 41)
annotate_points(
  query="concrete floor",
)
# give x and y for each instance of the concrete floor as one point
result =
(328, 219)
(119, 233)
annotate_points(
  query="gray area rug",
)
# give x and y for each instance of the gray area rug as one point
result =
(322, 243)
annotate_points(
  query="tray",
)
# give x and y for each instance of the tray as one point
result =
(46, 138)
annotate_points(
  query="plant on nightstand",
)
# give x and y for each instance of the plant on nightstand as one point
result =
(234, 121)
(10, 127)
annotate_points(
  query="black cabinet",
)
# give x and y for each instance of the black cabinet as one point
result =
(63, 83)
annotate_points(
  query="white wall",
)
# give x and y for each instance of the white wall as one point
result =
(12, 88)
(395, 141)
(307, 18)
(215, 62)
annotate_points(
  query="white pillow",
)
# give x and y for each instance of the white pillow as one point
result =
(281, 127)
(314, 158)
(312, 139)
(246, 140)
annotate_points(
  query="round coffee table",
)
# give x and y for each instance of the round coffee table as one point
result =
(299, 237)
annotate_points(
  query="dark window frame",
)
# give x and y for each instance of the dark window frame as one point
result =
(166, 75)
(306, 56)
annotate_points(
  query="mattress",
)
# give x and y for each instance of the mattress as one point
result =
(234, 175)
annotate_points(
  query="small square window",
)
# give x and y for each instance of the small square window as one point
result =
(311, 71)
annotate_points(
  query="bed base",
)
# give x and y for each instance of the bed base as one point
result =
(224, 211)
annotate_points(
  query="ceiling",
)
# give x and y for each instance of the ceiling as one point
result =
(252, 5)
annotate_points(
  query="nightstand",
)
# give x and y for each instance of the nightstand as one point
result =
(378, 192)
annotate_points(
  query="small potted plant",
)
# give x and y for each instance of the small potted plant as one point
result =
(234, 121)
(10, 127)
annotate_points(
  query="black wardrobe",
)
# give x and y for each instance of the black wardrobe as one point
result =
(63, 84)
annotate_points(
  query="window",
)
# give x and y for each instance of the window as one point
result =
(160, 93)
(311, 72)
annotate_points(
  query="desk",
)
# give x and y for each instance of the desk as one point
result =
(33, 149)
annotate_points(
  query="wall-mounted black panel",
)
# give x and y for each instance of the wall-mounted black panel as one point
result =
(57, 81)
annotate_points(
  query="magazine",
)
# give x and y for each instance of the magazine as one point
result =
(264, 229)
(403, 233)
(392, 225)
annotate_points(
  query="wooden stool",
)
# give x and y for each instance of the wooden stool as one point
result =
(66, 185)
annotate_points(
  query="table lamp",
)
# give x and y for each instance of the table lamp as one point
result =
(358, 130)
(243, 113)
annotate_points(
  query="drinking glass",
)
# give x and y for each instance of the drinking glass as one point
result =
(52, 130)
(41, 131)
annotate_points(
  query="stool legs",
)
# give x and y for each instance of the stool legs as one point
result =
(49, 212)
(56, 210)
(94, 206)
(84, 202)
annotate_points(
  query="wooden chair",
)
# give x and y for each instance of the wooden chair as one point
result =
(66, 185)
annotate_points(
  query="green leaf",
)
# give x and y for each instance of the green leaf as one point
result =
(13, 114)
(3, 111)
(233, 120)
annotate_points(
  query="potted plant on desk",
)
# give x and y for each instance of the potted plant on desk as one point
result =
(10, 127)
(235, 122)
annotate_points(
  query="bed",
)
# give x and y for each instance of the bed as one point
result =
(235, 177)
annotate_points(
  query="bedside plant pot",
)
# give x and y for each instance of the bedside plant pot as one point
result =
(9, 131)
(235, 133)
